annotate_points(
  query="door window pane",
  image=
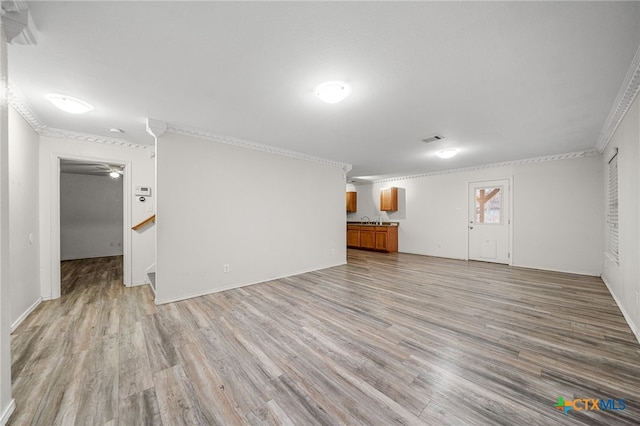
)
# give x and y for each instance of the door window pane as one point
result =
(489, 205)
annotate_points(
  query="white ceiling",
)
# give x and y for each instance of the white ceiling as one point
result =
(500, 80)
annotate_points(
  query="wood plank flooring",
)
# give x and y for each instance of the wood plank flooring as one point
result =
(386, 339)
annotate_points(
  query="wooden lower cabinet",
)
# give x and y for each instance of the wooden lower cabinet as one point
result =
(381, 240)
(373, 237)
(353, 237)
(367, 238)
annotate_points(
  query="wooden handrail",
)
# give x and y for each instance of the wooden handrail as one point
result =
(144, 222)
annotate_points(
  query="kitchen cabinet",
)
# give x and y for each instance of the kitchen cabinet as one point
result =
(352, 201)
(381, 239)
(389, 199)
(353, 237)
(367, 237)
(373, 237)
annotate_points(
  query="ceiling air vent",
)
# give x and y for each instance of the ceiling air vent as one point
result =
(432, 138)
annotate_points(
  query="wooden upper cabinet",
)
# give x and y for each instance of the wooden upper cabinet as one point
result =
(352, 201)
(389, 199)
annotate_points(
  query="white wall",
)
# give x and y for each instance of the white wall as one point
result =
(141, 172)
(623, 278)
(558, 215)
(23, 216)
(7, 404)
(265, 215)
(90, 216)
(433, 213)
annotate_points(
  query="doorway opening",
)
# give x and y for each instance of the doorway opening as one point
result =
(91, 224)
(90, 201)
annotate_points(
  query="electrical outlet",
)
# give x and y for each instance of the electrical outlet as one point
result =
(226, 268)
(333, 251)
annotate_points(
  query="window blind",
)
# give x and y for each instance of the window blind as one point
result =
(612, 213)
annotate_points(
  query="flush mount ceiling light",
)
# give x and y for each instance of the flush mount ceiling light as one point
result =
(447, 153)
(333, 92)
(69, 104)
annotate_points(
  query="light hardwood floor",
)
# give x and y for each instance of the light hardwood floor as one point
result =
(387, 339)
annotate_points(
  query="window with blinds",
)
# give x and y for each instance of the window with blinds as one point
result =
(612, 213)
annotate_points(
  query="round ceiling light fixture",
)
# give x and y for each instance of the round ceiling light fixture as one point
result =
(447, 153)
(69, 104)
(333, 92)
(114, 174)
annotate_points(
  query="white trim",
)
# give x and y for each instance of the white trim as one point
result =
(565, 156)
(59, 133)
(549, 269)
(127, 252)
(55, 216)
(626, 95)
(627, 317)
(6, 415)
(54, 248)
(91, 256)
(19, 103)
(203, 134)
(234, 286)
(25, 314)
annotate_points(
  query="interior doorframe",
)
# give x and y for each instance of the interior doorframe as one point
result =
(55, 216)
(510, 218)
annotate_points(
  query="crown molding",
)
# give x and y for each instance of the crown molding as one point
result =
(156, 128)
(626, 95)
(201, 134)
(59, 133)
(18, 102)
(565, 156)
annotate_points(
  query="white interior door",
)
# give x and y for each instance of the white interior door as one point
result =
(489, 221)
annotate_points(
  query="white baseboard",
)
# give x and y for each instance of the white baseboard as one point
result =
(239, 285)
(25, 314)
(8, 412)
(627, 318)
(91, 255)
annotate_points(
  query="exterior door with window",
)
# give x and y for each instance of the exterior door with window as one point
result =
(489, 221)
